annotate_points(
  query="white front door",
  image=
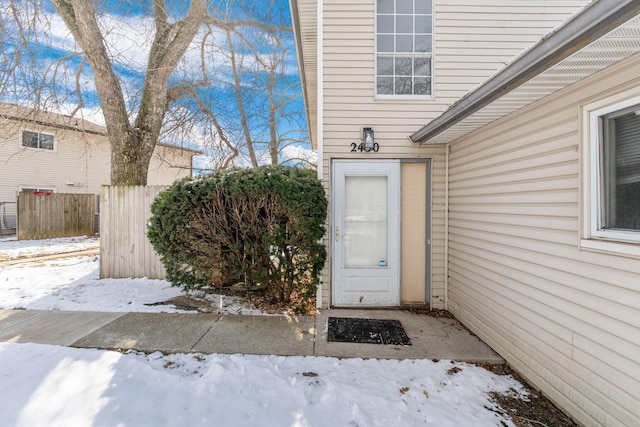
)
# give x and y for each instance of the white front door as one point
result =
(366, 233)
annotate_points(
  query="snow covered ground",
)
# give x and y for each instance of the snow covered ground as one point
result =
(74, 284)
(11, 248)
(50, 386)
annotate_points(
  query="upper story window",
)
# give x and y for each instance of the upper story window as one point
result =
(404, 30)
(41, 141)
(614, 171)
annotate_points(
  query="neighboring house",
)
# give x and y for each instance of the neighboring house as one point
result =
(507, 194)
(47, 152)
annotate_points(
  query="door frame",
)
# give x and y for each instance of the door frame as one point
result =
(394, 256)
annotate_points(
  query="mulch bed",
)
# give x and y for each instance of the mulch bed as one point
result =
(535, 412)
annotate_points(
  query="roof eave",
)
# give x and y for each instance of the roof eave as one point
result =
(591, 23)
(297, 36)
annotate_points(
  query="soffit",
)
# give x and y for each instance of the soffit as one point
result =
(305, 22)
(615, 46)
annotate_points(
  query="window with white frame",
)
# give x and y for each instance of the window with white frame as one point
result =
(38, 140)
(615, 171)
(38, 190)
(404, 30)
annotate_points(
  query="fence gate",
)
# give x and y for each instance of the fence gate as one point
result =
(49, 215)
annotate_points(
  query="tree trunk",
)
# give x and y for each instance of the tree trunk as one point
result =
(132, 146)
(130, 160)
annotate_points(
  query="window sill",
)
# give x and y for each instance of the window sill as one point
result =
(45, 150)
(404, 98)
(611, 247)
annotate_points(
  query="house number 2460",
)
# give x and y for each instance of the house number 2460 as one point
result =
(360, 147)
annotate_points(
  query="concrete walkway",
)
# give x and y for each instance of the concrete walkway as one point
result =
(431, 338)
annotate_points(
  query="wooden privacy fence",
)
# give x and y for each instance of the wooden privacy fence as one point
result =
(125, 250)
(49, 215)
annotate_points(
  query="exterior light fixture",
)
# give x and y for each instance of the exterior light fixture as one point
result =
(367, 136)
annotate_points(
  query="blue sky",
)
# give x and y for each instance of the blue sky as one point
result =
(130, 28)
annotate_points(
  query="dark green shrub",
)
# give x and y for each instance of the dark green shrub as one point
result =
(260, 226)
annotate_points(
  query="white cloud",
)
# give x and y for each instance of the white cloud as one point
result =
(295, 152)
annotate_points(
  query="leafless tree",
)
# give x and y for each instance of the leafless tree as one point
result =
(251, 102)
(136, 111)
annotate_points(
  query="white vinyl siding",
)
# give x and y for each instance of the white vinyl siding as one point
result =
(169, 164)
(80, 163)
(471, 42)
(564, 317)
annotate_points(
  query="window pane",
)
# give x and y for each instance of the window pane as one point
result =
(423, 24)
(385, 43)
(423, 6)
(385, 6)
(29, 139)
(46, 142)
(404, 24)
(423, 43)
(404, 44)
(404, 6)
(627, 207)
(403, 66)
(404, 27)
(385, 85)
(422, 86)
(403, 86)
(422, 67)
(385, 24)
(385, 66)
(365, 220)
(621, 170)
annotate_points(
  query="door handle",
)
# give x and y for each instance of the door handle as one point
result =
(337, 233)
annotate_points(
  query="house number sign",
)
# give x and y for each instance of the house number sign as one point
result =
(361, 147)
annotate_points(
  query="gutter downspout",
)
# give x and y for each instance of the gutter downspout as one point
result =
(446, 227)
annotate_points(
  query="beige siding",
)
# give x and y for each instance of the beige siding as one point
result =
(472, 41)
(568, 319)
(168, 164)
(80, 162)
(77, 165)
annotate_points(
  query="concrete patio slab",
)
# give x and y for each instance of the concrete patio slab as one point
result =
(279, 335)
(431, 338)
(50, 327)
(149, 332)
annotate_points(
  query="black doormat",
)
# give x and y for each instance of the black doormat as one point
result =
(366, 331)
